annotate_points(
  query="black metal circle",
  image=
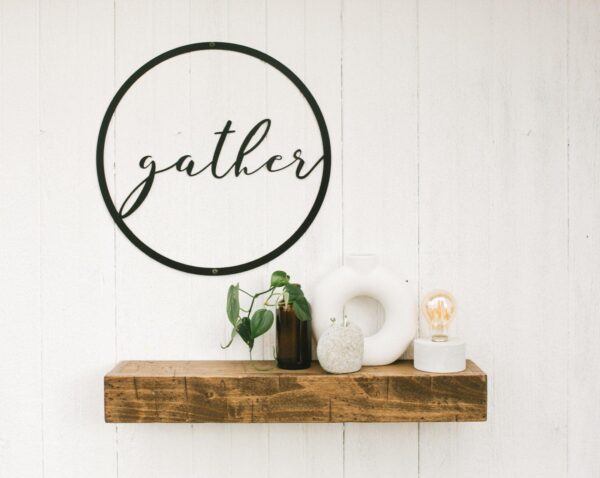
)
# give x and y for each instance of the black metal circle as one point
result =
(214, 270)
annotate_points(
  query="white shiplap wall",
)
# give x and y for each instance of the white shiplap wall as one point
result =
(483, 119)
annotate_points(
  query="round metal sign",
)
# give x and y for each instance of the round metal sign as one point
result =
(186, 165)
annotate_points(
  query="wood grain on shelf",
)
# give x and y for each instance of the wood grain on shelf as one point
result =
(235, 391)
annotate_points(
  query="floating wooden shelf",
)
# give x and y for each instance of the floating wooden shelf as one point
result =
(234, 391)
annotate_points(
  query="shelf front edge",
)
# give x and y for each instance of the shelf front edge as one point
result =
(234, 392)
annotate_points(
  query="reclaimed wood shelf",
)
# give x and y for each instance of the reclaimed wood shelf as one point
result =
(236, 392)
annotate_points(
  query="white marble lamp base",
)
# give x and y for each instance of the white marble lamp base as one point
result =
(440, 357)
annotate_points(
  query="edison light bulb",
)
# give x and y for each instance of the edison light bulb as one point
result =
(439, 308)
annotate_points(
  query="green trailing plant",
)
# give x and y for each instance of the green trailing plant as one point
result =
(253, 322)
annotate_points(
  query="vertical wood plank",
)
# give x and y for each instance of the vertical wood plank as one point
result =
(242, 22)
(455, 157)
(209, 22)
(154, 314)
(21, 397)
(77, 266)
(246, 23)
(305, 36)
(379, 88)
(584, 237)
(528, 240)
(154, 310)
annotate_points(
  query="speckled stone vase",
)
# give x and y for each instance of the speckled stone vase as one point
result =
(340, 348)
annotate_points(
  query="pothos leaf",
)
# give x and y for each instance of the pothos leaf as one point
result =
(301, 308)
(233, 303)
(245, 330)
(279, 279)
(261, 322)
(233, 334)
(294, 291)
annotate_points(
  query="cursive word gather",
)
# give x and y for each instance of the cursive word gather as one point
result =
(185, 164)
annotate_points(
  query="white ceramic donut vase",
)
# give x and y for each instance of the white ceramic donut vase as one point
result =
(363, 276)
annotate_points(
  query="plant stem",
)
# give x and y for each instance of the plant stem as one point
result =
(270, 295)
(255, 296)
(275, 304)
(264, 292)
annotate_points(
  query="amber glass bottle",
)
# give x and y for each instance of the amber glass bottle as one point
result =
(293, 339)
